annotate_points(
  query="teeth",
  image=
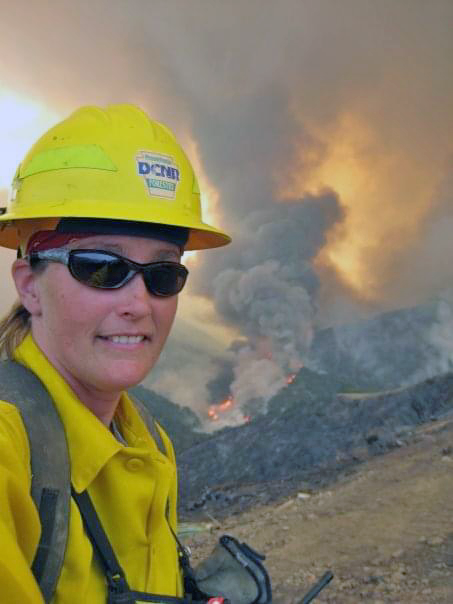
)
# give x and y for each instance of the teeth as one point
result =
(126, 339)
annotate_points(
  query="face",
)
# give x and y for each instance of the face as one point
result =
(101, 340)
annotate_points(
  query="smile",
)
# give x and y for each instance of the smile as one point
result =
(125, 339)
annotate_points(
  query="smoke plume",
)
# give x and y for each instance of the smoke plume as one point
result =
(271, 289)
(324, 132)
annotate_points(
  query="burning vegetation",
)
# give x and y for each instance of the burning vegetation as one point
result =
(228, 409)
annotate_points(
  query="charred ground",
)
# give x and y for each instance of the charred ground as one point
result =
(385, 528)
(310, 435)
(333, 477)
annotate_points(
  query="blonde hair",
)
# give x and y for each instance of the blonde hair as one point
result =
(13, 328)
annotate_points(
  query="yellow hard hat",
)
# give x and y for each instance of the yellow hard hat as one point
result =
(115, 164)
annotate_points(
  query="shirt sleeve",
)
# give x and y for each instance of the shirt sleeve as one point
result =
(19, 519)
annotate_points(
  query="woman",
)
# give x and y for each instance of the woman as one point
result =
(103, 207)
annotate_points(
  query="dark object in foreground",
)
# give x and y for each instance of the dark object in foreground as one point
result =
(234, 571)
(314, 591)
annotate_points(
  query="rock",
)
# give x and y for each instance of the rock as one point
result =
(286, 504)
(378, 561)
(398, 553)
(347, 584)
(303, 496)
(373, 579)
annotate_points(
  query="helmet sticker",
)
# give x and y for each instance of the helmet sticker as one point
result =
(159, 172)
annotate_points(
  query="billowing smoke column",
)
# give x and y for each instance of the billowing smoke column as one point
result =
(270, 291)
(265, 284)
(281, 98)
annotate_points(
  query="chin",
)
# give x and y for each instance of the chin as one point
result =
(127, 378)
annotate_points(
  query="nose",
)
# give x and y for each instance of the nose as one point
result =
(134, 300)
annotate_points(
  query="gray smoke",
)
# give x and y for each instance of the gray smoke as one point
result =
(440, 338)
(253, 82)
(270, 291)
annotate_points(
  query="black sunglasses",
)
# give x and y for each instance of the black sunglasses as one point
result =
(107, 270)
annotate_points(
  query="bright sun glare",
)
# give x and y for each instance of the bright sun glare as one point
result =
(22, 121)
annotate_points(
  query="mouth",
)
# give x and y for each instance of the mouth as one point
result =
(125, 340)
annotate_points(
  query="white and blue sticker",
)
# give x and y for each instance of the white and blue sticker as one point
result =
(159, 172)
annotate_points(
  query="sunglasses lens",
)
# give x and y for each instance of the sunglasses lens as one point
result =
(106, 270)
(165, 279)
(98, 269)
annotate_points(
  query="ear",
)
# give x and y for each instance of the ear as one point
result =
(26, 285)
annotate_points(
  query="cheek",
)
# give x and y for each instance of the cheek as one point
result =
(61, 320)
(66, 311)
(164, 313)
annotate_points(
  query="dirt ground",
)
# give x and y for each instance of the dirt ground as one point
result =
(385, 531)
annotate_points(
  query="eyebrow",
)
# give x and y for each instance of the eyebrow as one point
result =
(167, 255)
(111, 247)
(163, 254)
(82, 244)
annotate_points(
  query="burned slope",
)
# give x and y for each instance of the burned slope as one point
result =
(307, 439)
(386, 351)
(181, 423)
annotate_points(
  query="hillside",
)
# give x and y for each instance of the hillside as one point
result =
(385, 530)
(387, 350)
(310, 434)
(180, 423)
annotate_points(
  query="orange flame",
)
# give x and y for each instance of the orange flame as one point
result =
(216, 410)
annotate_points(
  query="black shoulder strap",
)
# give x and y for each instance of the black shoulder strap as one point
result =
(118, 589)
(51, 482)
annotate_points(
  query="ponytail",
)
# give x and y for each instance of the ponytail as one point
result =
(13, 329)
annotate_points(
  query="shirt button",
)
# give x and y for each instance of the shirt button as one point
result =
(134, 464)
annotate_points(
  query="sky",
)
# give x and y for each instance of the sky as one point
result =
(321, 132)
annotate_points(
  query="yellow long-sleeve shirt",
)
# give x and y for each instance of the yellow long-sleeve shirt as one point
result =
(129, 486)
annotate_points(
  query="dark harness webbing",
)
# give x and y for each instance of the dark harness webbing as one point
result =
(51, 480)
(118, 590)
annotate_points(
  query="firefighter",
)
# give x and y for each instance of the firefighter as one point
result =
(102, 208)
